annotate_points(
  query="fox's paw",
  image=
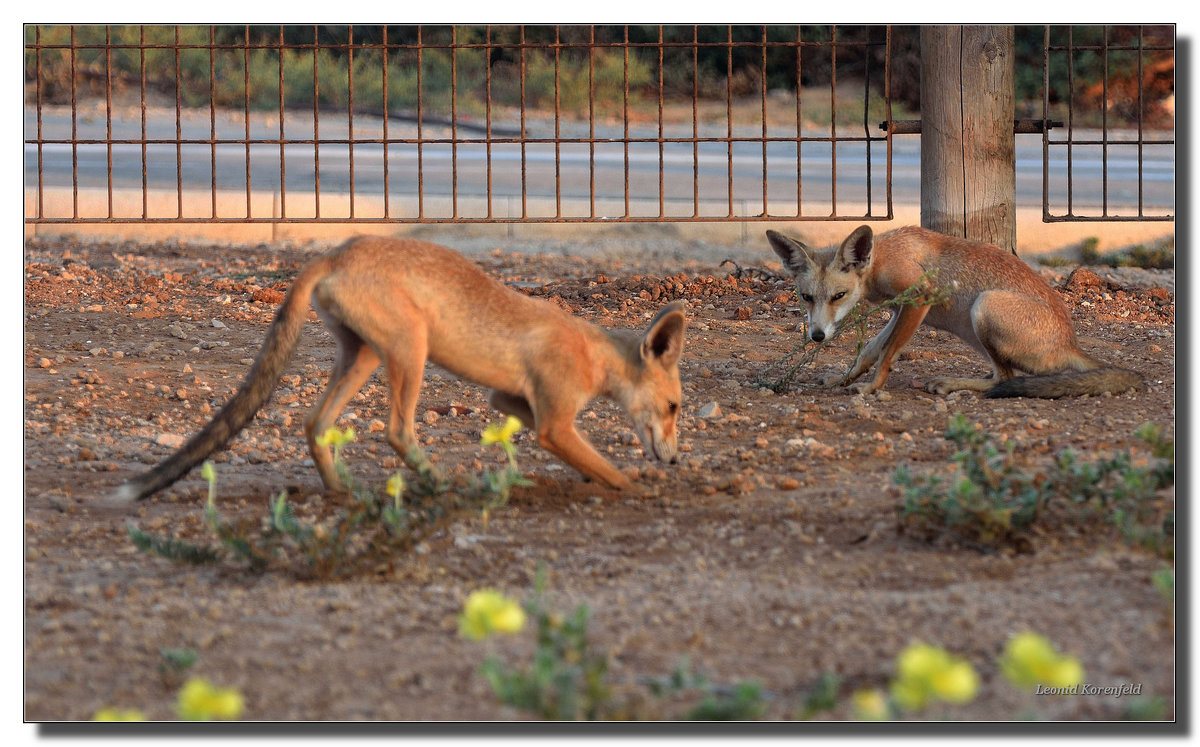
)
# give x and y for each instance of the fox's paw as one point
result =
(862, 387)
(833, 379)
(938, 386)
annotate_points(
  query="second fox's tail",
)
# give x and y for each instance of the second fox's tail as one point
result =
(1068, 384)
(277, 350)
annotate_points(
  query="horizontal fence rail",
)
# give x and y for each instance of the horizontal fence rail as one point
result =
(1110, 125)
(433, 124)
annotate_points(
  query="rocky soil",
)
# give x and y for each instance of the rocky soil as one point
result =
(772, 552)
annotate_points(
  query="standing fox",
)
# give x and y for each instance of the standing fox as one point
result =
(401, 302)
(997, 304)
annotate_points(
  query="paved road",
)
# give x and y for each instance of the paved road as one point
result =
(711, 172)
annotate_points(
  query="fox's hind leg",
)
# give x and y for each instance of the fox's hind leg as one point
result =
(355, 363)
(1016, 332)
(404, 364)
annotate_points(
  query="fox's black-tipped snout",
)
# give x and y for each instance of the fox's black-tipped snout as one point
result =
(817, 335)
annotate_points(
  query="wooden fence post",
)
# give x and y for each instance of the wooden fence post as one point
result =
(968, 166)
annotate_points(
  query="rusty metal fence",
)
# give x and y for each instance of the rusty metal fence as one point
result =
(429, 124)
(1109, 124)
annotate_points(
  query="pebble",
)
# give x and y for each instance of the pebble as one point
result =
(170, 440)
(711, 410)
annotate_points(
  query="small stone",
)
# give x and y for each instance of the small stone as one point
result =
(711, 410)
(218, 324)
(170, 440)
(430, 417)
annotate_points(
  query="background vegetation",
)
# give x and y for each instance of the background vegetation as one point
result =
(297, 66)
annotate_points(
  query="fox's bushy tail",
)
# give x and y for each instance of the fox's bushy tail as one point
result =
(277, 350)
(1068, 384)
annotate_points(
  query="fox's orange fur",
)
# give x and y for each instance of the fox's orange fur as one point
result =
(398, 303)
(996, 303)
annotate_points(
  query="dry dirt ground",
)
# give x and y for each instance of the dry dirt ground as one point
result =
(772, 552)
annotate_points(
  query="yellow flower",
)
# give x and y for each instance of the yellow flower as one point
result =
(207, 471)
(870, 705)
(487, 611)
(117, 714)
(956, 683)
(335, 437)
(200, 701)
(501, 434)
(395, 485)
(926, 672)
(1030, 659)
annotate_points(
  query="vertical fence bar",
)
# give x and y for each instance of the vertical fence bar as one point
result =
(1140, 115)
(592, 120)
(1104, 127)
(178, 133)
(282, 136)
(625, 112)
(800, 120)
(524, 135)
(1046, 123)
(454, 121)
(695, 121)
(487, 96)
(108, 151)
(420, 126)
(764, 120)
(833, 141)
(387, 182)
(145, 180)
(557, 129)
(1070, 119)
(661, 187)
(866, 113)
(350, 107)
(316, 123)
(37, 72)
(246, 119)
(74, 136)
(212, 119)
(729, 116)
(887, 98)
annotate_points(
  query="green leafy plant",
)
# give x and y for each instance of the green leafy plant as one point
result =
(992, 497)
(1161, 257)
(370, 529)
(175, 662)
(568, 678)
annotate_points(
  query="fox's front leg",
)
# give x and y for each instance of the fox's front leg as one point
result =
(866, 358)
(884, 348)
(559, 437)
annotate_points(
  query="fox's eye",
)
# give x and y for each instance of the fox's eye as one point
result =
(838, 296)
(672, 407)
(807, 298)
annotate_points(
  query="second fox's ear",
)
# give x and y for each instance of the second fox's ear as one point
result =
(663, 341)
(795, 255)
(855, 252)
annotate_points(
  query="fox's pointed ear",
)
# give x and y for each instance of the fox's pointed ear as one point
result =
(855, 252)
(797, 257)
(663, 341)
